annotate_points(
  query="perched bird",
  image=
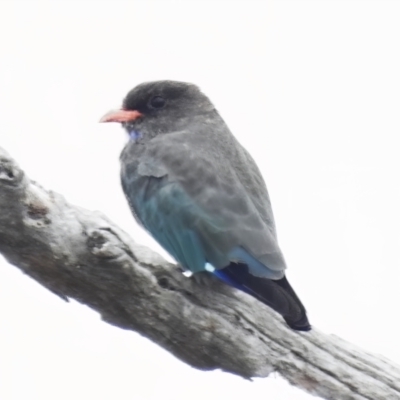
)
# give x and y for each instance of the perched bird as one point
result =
(199, 193)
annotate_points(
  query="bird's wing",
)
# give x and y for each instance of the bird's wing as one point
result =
(199, 213)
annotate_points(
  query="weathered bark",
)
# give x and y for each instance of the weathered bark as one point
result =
(80, 254)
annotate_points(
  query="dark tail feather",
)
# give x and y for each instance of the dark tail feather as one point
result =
(278, 294)
(300, 324)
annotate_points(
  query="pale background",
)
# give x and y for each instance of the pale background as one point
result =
(311, 88)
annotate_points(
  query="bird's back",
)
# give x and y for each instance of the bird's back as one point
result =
(217, 179)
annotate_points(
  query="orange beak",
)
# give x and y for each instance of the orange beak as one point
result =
(121, 116)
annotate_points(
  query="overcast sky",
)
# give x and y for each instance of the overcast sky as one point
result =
(311, 88)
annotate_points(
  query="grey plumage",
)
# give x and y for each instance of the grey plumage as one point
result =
(192, 185)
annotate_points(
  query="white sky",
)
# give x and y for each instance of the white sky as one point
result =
(311, 88)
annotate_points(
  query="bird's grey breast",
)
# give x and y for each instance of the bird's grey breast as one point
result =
(131, 181)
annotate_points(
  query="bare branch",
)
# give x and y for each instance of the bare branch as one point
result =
(80, 254)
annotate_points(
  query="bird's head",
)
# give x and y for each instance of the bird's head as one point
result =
(153, 108)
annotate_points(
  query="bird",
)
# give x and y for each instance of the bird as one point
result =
(200, 194)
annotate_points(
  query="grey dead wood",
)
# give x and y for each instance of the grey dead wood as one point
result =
(80, 254)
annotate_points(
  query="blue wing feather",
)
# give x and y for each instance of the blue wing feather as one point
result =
(165, 213)
(173, 219)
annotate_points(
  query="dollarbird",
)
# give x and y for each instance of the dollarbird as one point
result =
(200, 194)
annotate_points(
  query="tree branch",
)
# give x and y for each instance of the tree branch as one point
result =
(82, 255)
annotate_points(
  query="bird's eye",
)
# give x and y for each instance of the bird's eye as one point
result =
(157, 102)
